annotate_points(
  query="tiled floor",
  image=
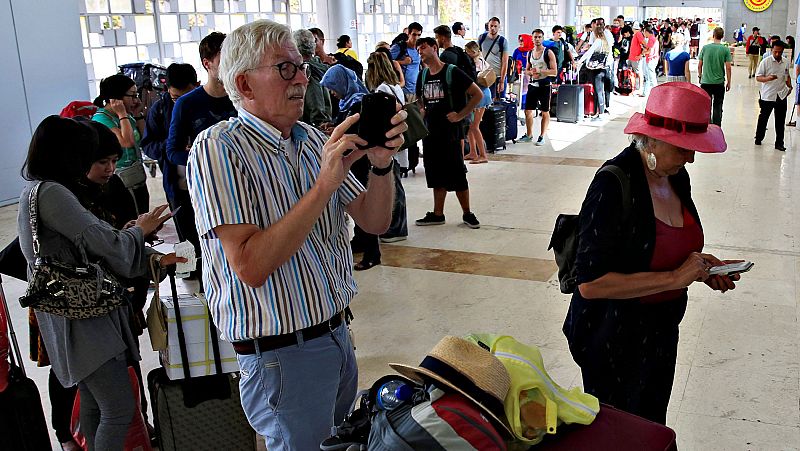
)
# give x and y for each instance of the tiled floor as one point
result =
(737, 384)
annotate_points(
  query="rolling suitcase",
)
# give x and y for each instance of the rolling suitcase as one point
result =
(588, 99)
(510, 111)
(199, 413)
(570, 103)
(22, 423)
(625, 82)
(493, 128)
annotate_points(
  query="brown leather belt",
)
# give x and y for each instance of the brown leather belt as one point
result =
(272, 342)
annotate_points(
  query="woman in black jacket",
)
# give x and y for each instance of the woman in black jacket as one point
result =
(634, 268)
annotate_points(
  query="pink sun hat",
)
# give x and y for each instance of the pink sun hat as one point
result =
(679, 113)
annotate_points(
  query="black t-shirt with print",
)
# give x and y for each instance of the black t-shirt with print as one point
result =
(435, 93)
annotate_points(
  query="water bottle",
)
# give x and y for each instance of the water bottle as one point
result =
(392, 394)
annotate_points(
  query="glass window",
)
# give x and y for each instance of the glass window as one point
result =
(294, 6)
(169, 28)
(281, 18)
(104, 63)
(237, 20)
(97, 6)
(121, 6)
(296, 22)
(186, 6)
(205, 6)
(222, 23)
(251, 6)
(307, 6)
(143, 53)
(126, 54)
(266, 6)
(145, 29)
(279, 6)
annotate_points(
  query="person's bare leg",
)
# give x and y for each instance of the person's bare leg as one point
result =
(545, 122)
(473, 150)
(529, 122)
(463, 199)
(479, 137)
(439, 195)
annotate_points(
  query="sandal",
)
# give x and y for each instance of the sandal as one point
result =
(364, 265)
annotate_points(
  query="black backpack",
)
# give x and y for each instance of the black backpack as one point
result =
(464, 62)
(564, 240)
(350, 63)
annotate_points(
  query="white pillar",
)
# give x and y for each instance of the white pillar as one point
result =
(341, 17)
(571, 6)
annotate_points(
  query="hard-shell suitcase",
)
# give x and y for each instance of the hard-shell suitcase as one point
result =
(511, 119)
(22, 423)
(588, 99)
(493, 127)
(570, 103)
(200, 413)
(612, 430)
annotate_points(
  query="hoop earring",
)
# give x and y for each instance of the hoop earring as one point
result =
(651, 161)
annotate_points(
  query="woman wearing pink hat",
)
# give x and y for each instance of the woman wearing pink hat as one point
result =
(638, 252)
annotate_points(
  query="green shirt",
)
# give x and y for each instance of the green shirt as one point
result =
(714, 56)
(129, 154)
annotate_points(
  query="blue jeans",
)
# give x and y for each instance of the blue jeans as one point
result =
(650, 80)
(294, 395)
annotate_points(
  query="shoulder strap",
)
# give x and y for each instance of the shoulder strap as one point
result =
(448, 79)
(179, 325)
(625, 184)
(33, 212)
(489, 52)
(424, 76)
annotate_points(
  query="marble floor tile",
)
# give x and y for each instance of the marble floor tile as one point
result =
(708, 433)
(742, 395)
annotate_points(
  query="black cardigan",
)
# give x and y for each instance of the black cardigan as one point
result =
(607, 244)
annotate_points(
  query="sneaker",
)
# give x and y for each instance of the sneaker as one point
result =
(540, 141)
(430, 219)
(525, 139)
(471, 221)
(780, 147)
(392, 239)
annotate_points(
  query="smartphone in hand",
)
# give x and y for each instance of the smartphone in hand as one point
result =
(731, 269)
(377, 110)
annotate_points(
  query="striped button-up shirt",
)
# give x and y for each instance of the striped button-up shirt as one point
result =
(238, 174)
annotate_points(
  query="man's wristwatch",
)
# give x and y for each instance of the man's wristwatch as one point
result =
(383, 171)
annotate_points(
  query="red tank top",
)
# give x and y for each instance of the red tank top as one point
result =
(672, 248)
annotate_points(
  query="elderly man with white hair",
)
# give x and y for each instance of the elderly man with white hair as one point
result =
(270, 195)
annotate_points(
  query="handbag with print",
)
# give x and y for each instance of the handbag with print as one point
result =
(71, 291)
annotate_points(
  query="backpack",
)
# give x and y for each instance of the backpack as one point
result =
(448, 79)
(350, 63)
(427, 419)
(447, 421)
(500, 40)
(564, 240)
(79, 108)
(464, 62)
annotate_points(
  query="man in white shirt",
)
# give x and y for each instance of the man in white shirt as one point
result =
(773, 73)
(459, 31)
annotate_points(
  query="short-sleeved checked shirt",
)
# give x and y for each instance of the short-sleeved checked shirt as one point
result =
(239, 174)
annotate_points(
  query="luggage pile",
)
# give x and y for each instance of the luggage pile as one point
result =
(486, 392)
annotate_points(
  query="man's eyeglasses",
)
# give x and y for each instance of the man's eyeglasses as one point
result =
(288, 69)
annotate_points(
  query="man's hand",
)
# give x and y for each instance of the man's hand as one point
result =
(380, 157)
(501, 85)
(728, 86)
(333, 168)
